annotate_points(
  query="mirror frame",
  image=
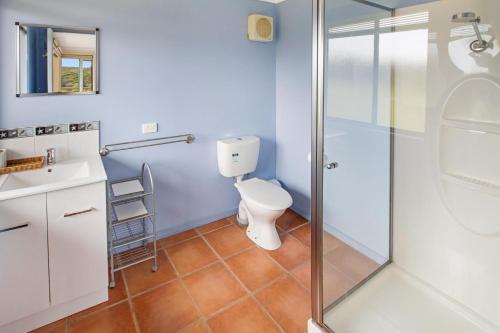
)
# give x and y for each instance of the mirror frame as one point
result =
(19, 93)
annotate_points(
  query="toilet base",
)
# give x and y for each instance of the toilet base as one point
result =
(262, 233)
(241, 220)
(265, 236)
(242, 216)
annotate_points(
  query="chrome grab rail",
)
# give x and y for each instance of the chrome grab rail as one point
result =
(91, 209)
(24, 225)
(187, 138)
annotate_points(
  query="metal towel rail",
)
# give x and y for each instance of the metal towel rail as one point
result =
(187, 138)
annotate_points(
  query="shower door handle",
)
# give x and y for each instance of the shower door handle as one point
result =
(331, 166)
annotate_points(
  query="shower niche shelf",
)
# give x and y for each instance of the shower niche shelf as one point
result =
(131, 222)
(475, 100)
(472, 125)
(469, 137)
(474, 183)
(470, 155)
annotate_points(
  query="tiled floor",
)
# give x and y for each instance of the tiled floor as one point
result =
(213, 279)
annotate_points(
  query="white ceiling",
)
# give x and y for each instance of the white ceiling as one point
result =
(272, 1)
(76, 43)
(387, 3)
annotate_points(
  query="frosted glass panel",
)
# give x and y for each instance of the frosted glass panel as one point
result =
(403, 55)
(350, 78)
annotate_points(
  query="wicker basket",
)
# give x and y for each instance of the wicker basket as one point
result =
(23, 164)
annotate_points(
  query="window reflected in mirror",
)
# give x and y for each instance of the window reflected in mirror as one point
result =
(56, 60)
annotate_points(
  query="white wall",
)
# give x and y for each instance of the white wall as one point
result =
(447, 165)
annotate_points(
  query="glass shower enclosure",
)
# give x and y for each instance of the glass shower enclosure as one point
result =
(406, 174)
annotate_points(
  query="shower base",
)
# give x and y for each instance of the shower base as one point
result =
(395, 301)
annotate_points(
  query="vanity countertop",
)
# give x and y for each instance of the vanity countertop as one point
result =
(58, 176)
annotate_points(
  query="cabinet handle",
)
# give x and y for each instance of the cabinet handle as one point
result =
(91, 209)
(24, 225)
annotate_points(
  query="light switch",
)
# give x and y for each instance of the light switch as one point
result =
(149, 128)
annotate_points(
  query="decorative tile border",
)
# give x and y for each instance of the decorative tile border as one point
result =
(24, 132)
(86, 126)
(52, 129)
(16, 133)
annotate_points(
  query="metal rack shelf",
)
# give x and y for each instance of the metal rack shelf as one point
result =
(132, 257)
(131, 222)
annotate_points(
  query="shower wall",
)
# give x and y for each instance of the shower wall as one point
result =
(446, 158)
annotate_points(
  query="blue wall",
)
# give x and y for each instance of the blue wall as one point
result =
(184, 63)
(293, 100)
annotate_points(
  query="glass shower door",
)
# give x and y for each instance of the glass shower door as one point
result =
(406, 198)
(357, 146)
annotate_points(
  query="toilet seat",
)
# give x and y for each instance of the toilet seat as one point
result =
(265, 194)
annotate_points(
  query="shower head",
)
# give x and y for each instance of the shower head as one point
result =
(467, 17)
(480, 44)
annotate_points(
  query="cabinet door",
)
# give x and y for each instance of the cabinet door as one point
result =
(24, 274)
(77, 242)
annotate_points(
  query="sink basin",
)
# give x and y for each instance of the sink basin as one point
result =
(50, 178)
(47, 175)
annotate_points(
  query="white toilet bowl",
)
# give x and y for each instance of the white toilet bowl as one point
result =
(262, 202)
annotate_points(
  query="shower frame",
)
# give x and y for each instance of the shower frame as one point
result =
(318, 165)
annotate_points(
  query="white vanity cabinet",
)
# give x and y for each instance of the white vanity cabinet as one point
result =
(53, 255)
(24, 272)
(77, 242)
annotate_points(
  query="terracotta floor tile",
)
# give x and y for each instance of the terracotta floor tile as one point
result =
(351, 262)
(291, 254)
(288, 303)
(117, 318)
(140, 277)
(196, 328)
(335, 284)
(115, 295)
(213, 288)
(254, 268)
(55, 327)
(177, 238)
(303, 274)
(303, 234)
(330, 242)
(214, 225)
(228, 240)
(235, 222)
(244, 317)
(290, 220)
(190, 255)
(232, 219)
(166, 309)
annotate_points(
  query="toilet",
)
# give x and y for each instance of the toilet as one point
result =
(262, 201)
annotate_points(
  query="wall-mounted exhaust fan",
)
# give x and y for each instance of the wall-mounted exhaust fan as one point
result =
(260, 28)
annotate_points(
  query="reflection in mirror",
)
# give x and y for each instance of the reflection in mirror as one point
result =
(56, 60)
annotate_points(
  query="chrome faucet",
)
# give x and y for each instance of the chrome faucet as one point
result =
(51, 156)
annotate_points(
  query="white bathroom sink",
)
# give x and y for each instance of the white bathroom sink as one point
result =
(53, 177)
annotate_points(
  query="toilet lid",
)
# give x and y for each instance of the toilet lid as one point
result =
(265, 194)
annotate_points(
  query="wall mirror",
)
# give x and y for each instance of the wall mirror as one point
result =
(54, 60)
